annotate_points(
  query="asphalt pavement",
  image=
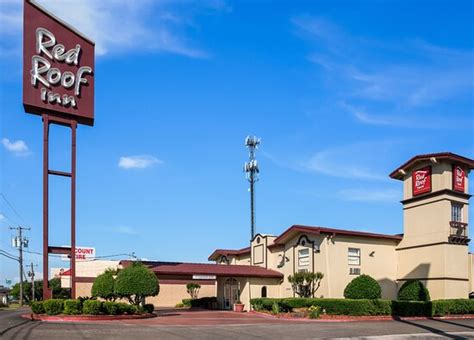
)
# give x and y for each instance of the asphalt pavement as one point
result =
(14, 327)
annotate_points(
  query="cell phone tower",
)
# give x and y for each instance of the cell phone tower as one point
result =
(252, 175)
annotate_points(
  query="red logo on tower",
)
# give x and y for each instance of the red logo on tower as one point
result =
(458, 178)
(421, 181)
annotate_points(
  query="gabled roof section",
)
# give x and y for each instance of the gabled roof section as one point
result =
(228, 252)
(219, 270)
(401, 171)
(295, 229)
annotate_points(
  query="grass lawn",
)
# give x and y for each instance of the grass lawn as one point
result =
(11, 307)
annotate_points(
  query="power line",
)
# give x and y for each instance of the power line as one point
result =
(11, 207)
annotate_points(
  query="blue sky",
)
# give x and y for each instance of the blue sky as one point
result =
(340, 92)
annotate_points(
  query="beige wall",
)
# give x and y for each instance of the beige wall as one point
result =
(172, 294)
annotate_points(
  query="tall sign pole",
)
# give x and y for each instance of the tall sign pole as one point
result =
(252, 173)
(58, 84)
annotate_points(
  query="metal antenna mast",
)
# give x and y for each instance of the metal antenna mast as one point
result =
(251, 173)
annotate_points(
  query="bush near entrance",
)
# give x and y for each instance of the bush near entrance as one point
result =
(135, 283)
(361, 307)
(413, 290)
(363, 287)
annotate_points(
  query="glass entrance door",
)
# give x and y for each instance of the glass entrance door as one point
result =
(231, 293)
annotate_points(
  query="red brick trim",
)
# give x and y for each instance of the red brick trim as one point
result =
(180, 282)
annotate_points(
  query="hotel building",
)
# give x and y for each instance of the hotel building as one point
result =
(433, 248)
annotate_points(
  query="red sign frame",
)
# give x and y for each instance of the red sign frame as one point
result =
(421, 181)
(459, 178)
(58, 67)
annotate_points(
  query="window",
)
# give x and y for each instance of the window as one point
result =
(303, 257)
(353, 256)
(264, 292)
(456, 212)
(354, 271)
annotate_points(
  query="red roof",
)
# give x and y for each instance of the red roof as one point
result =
(396, 174)
(227, 252)
(322, 230)
(178, 268)
(280, 240)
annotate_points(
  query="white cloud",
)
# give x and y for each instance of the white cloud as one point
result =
(116, 26)
(138, 162)
(2, 217)
(413, 77)
(123, 25)
(18, 147)
(370, 195)
(350, 161)
(126, 230)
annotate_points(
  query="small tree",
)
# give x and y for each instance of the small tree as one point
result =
(135, 283)
(305, 284)
(193, 289)
(363, 287)
(413, 290)
(103, 286)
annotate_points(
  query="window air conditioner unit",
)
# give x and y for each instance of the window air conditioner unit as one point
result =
(354, 271)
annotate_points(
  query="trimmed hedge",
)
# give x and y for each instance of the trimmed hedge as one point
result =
(37, 307)
(111, 308)
(92, 307)
(186, 302)
(360, 307)
(53, 306)
(363, 287)
(205, 302)
(452, 306)
(413, 290)
(411, 308)
(72, 307)
(330, 306)
(148, 308)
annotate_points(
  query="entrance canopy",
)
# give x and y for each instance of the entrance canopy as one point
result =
(218, 270)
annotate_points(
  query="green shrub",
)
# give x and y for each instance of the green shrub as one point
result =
(37, 307)
(411, 308)
(179, 305)
(275, 308)
(314, 312)
(135, 283)
(452, 306)
(72, 307)
(124, 308)
(363, 287)
(53, 306)
(148, 308)
(186, 302)
(330, 306)
(193, 289)
(205, 302)
(103, 286)
(413, 290)
(92, 307)
(111, 308)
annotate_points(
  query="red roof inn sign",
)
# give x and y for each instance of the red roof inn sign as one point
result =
(58, 67)
(58, 84)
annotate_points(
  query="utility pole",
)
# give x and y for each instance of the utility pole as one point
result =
(31, 274)
(20, 242)
(251, 172)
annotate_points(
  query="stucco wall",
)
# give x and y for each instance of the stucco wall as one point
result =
(172, 294)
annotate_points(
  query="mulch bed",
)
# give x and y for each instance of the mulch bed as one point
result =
(80, 318)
